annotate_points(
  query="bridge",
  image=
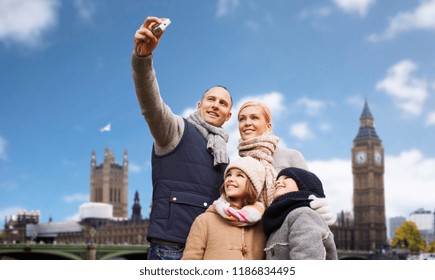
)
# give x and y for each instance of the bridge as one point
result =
(23, 251)
(354, 255)
(369, 255)
(35, 251)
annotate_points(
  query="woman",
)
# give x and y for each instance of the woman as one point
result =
(259, 141)
(254, 120)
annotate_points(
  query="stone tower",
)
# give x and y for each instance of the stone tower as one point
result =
(368, 186)
(109, 183)
(136, 209)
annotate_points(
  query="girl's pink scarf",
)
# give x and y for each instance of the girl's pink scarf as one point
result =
(247, 216)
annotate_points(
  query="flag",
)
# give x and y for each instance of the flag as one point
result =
(105, 128)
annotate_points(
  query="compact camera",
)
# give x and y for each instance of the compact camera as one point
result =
(159, 29)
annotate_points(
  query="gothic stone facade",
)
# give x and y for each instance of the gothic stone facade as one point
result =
(109, 183)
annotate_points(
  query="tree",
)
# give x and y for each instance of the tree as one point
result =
(431, 248)
(408, 236)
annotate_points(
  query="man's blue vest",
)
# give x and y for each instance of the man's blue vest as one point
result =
(185, 183)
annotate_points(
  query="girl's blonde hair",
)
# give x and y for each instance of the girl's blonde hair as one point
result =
(263, 107)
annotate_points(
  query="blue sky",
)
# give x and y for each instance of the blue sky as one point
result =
(65, 72)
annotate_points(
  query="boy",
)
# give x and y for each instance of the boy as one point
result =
(294, 230)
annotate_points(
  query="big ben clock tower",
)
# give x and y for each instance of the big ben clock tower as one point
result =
(368, 186)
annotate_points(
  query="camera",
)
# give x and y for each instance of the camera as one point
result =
(159, 29)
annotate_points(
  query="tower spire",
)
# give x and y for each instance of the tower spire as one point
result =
(137, 209)
(367, 125)
(366, 111)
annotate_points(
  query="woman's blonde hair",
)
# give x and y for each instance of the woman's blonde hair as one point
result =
(263, 107)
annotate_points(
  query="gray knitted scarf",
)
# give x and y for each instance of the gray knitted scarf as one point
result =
(216, 137)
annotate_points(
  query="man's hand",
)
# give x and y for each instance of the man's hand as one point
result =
(144, 39)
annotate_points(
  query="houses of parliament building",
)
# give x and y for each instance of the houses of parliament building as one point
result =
(105, 220)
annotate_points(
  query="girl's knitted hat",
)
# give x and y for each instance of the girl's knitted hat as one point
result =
(252, 168)
(306, 180)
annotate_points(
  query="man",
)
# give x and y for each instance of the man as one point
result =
(189, 155)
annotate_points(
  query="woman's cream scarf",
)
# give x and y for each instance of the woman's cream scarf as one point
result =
(262, 148)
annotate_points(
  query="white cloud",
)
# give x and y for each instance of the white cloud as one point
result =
(355, 101)
(75, 217)
(233, 142)
(187, 112)
(225, 7)
(3, 144)
(319, 12)
(409, 181)
(408, 92)
(354, 6)
(25, 22)
(252, 25)
(134, 168)
(9, 185)
(312, 106)
(85, 9)
(430, 120)
(422, 17)
(336, 177)
(315, 16)
(69, 163)
(274, 100)
(324, 126)
(9, 212)
(78, 197)
(301, 131)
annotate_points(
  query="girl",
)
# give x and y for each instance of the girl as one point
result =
(225, 230)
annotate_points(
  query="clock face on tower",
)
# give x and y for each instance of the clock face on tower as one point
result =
(378, 158)
(360, 157)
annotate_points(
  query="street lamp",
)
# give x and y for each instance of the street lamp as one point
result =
(34, 235)
(93, 231)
